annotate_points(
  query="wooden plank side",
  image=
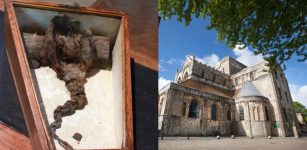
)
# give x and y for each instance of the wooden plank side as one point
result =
(143, 28)
(57, 7)
(145, 102)
(127, 87)
(23, 82)
(11, 139)
(1, 5)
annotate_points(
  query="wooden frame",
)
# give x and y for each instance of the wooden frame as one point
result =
(38, 133)
(12, 139)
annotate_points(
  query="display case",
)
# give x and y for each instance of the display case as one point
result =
(71, 69)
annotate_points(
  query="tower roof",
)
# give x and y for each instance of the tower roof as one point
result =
(248, 89)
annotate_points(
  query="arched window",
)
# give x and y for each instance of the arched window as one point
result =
(193, 109)
(213, 112)
(286, 97)
(229, 115)
(160, 104)
(267, 116)
(241, 110)
(203, 74)
(186, 75)
(183, 108)
(252, 76)
(285, 114)
(179, 80)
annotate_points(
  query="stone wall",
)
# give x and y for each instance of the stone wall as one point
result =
(229, 66)
(176, 119)
(258, 116)
(195, 68)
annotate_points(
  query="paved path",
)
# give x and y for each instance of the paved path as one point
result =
(226, 143)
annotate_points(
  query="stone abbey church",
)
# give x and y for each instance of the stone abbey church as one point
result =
(228, 99)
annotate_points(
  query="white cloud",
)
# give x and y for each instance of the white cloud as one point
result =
(246, 56)
(175, 61)
(210, 60)
(171, 61)
(163, 82)
(299, 93)
(161, 68)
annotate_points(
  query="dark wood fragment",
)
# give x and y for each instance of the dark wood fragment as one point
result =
(77, 136)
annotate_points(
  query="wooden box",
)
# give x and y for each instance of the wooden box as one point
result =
(106, 121)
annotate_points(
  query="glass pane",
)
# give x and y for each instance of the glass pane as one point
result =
(213, 112)
(10, 111)
(76, 66)
(193, 111)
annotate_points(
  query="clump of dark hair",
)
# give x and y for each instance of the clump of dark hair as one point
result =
(64, 54)
(63, 25)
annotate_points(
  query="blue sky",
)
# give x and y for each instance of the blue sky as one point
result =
(177, 41)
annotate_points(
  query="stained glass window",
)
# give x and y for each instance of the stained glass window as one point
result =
(213, 112)
(193, 109)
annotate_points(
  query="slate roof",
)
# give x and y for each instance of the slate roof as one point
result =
(207, 88)
(248, 89)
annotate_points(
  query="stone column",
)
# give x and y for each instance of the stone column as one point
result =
(264, 120)
(295, 131)
(249, 118)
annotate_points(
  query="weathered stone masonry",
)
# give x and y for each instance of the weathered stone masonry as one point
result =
(178, 122)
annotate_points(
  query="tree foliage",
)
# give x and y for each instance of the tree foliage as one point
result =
(274, 28)
(299, 108)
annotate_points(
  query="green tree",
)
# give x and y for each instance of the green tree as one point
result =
(274, 28)
(299, 108)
